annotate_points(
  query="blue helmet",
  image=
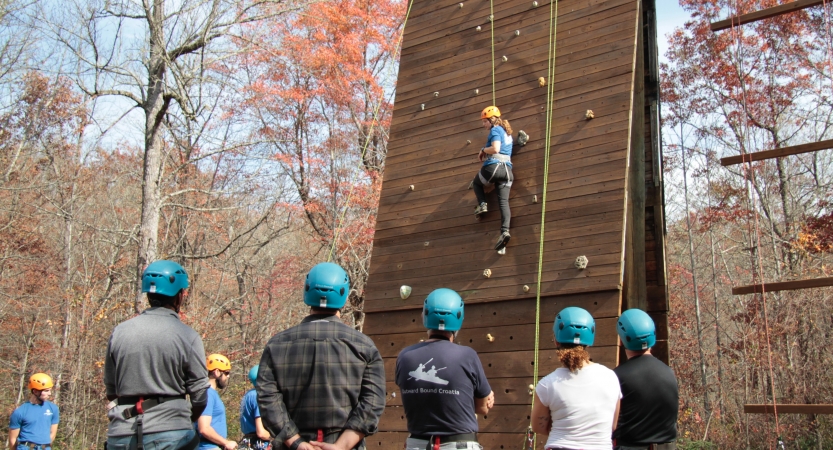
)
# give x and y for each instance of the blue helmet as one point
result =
(443, 310)
(253, 374)
(165, 278)
(327, 286)
(574, 325)
(636, 330)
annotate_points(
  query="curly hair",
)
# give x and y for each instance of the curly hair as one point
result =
(498, 122)
(573, 356)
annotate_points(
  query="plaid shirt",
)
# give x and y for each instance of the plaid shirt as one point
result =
(321, 374)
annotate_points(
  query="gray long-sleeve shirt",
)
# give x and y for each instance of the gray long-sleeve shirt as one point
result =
(153, 355)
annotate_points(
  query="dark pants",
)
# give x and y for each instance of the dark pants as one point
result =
(666, 446)
(501, 176)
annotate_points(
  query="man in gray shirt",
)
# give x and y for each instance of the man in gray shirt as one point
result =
(152, 362)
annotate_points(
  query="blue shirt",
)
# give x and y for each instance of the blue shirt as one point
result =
(34, 422)
(249, 411)
(217, 411)
(439, 381)
(497, 133)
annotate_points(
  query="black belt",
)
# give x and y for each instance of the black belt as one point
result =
(32, 445)
(140, 405)
(466, 437)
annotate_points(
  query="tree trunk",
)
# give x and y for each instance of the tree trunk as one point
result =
(706, 406)
(155, 106)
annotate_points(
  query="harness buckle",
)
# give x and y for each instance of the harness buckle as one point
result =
(139, 405)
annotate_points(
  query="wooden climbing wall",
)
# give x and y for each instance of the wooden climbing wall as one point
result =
(604, 192)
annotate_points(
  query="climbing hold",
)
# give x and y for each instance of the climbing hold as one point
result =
(531, 389)
(534, 199)
(526, 288)
(393, 394)
(534, 4)
(502, 251)
(476, 91)
(581, 262)
(487, 273)
(404, 292)
(505, 58)
(491, 17)
(468, 141)
(517, 32)
(436, 94)
(478, 28)
(490, 338)
(542, 81)
(461, 5)
(589, 114)
(422, 107)
(411, 187)
(425, 244)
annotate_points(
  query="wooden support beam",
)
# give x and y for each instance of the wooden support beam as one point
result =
(777, 153)
(764, 14)
(788, 409)
(783, 286)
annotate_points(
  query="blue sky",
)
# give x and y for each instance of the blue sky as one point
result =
(669, 16)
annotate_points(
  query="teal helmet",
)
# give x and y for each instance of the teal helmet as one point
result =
(164, 278)
(574, 325)
(443, 310)
(327, 286)
(253, 374)
(636, 330)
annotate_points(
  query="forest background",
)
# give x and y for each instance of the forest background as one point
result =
(247, 140)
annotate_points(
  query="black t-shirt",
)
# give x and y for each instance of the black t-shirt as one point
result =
(650, 400)
(438, 382)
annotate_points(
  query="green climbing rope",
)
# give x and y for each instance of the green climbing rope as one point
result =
(375, 121)
(547, 146)
(492, 26)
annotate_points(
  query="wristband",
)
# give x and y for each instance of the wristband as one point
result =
(297, 443)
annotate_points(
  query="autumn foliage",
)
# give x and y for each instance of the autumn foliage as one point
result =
(762, 86)
(272, 154)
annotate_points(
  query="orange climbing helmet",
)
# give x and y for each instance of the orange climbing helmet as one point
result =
(40, 381)
(489, 112)
(217, 361)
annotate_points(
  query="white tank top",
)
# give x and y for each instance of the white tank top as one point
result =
(582, 406)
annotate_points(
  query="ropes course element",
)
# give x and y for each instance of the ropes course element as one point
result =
(547, 146)
(373, 123)
(492, 26)
(749, 176)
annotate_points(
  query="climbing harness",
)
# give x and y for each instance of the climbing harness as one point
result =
(547, 145)
(139, 406)
(373, 123)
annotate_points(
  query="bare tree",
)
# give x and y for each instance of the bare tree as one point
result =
(168, 73)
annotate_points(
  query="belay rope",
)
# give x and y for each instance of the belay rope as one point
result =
(529, 439)
(749, 175)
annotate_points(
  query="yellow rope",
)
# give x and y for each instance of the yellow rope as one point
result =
(547, 144)
(492, 26)
(367, 140)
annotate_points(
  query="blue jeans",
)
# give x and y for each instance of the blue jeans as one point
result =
(164, 440)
